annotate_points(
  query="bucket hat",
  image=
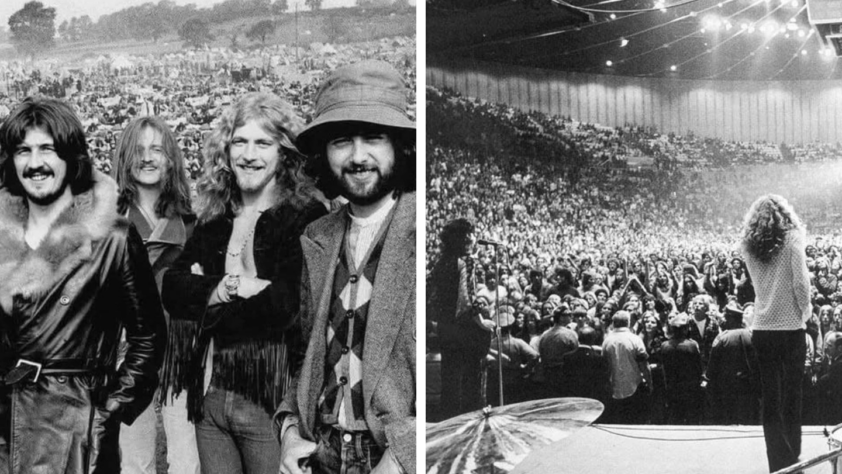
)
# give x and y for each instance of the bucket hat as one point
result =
(368, 91)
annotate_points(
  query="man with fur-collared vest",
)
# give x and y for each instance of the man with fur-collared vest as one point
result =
(73, 275)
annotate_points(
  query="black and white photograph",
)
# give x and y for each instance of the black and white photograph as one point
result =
(633, 236)
(208, 236)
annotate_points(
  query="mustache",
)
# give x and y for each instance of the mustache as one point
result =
(30, 172)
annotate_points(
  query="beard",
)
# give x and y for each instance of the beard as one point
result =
(366, 193)
(48, 197)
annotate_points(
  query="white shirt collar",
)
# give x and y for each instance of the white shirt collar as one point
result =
(375, 218)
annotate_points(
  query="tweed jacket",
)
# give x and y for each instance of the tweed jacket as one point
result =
(389, 347)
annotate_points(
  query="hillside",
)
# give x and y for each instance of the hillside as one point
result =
(340, 25)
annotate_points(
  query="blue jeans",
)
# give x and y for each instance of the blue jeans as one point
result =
(344, 452)
(236, 436)
(781, 358)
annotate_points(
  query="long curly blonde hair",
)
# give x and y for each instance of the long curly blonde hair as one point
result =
(218, 193)
(766, 225)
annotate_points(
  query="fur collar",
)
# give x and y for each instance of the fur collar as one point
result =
(67, 245)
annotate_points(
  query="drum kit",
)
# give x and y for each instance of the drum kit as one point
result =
(495, 440)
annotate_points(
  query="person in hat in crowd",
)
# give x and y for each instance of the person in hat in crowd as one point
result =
(353, 409)
(75, 273)
(554, 344)
(773, 243)
(460, 318)
(682, 364)
(239, 278)
(518, 360)
(155, 196)
(733, 375)
(630, 377)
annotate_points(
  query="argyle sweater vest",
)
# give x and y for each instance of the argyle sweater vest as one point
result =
(342, 396)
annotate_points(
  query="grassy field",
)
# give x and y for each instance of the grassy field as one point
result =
(345, 25)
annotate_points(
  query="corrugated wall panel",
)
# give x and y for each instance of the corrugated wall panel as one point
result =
(776, 111)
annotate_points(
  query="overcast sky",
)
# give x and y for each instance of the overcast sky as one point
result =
(66, 9)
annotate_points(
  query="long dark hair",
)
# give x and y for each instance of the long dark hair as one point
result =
(175, 195)
(62, 124)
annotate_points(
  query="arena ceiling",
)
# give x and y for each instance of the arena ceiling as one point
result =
(758, 40)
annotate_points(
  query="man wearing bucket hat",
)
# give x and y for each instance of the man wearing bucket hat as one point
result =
(353, 409)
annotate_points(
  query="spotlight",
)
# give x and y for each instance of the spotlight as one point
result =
(770, 27)
(623, 42)
(609, 63)
(801, 33)
(803, 52)
(791, 26)
(613, 16)
(673, 68)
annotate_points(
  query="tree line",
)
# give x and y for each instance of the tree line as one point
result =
(33, 29)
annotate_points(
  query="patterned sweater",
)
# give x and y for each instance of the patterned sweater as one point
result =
(782, 286)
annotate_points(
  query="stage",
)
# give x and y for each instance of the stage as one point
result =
(608, 449)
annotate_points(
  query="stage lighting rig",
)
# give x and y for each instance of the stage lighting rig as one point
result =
(826, 18)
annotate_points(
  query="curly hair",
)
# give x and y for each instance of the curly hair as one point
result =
(217, 188)
(766, 225)
(175, 195)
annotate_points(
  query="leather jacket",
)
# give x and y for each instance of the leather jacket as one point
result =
(64, 305)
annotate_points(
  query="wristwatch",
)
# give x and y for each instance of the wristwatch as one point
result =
(232, 284)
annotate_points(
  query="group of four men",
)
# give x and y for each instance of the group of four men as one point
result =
(291, 331)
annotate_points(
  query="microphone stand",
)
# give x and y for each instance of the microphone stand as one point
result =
(497, 316)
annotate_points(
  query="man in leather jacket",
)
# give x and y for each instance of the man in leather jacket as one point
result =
(73, 275)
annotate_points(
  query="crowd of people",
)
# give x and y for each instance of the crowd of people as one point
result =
(184, 290)
(604, 228)
(188, 90)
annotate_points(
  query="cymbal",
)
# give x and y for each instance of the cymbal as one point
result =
(497, 439)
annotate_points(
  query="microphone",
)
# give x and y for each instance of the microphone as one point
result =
(489, 242)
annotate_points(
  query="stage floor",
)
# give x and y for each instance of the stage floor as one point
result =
(609, 449)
